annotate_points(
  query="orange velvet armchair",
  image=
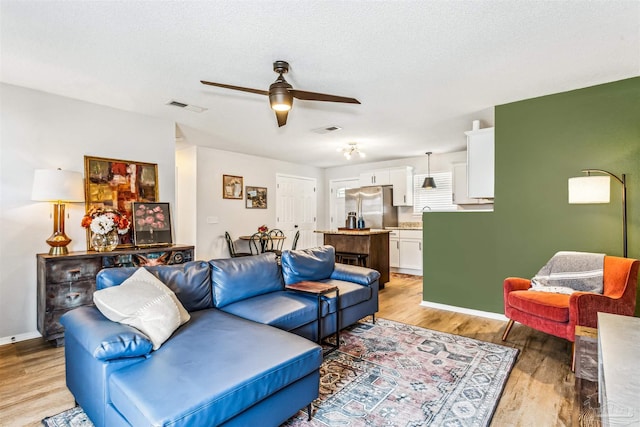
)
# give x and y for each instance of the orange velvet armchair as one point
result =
(559, 314)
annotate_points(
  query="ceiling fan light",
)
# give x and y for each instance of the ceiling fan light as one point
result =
(280, 99)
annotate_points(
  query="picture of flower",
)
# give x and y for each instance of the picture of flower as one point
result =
(103, 221)
(150, 217)
(151, 224)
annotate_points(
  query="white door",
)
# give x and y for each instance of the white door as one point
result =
(296, 208)
(337, 211)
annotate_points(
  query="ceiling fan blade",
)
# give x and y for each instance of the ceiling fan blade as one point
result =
(243, 89)
(313, 96)
(282, 117)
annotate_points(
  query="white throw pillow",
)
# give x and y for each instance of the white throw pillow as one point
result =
(144, 302)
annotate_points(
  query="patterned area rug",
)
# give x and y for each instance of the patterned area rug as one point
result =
(392, 374)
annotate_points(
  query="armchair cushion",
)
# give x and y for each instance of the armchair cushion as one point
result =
(548, 305)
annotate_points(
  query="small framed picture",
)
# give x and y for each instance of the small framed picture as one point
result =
(232, 187)
(256, 197)
(152, 224)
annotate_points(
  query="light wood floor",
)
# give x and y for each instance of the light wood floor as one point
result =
(541, 390)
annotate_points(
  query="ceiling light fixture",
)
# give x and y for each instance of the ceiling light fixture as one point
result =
(429, 182)
(350, 150)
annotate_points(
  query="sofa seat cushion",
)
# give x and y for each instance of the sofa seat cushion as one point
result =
(350, 294)
(213, 368)
(283, 309)
(550, 306)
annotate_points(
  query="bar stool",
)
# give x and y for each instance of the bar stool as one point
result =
(351, 258)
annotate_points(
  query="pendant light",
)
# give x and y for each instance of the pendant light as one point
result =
(429, 182)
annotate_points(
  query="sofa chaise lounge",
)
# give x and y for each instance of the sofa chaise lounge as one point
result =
(248, 355)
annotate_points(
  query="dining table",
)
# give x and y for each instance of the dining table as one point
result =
(263, 240)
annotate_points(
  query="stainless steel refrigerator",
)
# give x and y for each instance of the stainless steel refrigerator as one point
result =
(375, 204)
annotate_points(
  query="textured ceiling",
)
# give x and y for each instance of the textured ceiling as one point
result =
(423, 70)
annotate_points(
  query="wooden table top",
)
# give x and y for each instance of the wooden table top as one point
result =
(263, 237)
(311, 287)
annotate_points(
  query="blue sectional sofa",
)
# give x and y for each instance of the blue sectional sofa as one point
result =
(247, 357)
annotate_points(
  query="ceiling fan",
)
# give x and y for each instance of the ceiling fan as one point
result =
(281, 93)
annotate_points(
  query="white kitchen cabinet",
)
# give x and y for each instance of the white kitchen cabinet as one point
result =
(394, 249)
(402, 181)
(460, 194)
(480, 163)
(410, 247)
(375, 177)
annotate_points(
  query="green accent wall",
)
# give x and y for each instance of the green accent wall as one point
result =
(539, 144)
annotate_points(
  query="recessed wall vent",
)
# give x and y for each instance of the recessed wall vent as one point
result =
(189, 107)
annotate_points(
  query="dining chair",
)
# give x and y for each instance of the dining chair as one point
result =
(275, 241)
(232, 247)
(257, 243)
(295, 240)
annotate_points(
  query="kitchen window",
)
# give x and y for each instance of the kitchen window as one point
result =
(439, 198)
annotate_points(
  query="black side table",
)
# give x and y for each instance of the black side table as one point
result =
(319, 289)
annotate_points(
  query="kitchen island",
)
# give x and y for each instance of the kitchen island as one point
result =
(373, 243)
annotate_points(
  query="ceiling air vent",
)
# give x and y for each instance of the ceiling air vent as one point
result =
(327, 129)
(189, 107)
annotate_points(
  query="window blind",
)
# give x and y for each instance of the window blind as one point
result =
(439, 198)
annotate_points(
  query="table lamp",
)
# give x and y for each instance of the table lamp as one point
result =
(596, 189)
(59, 187)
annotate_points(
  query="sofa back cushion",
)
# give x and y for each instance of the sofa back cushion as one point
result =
(235, 279)
(191, 281)
(308, 264)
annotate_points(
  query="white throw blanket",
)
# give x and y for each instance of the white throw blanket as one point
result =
(568, 272)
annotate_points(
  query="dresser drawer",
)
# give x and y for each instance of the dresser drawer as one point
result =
(64, 271)
(52, 326)
(65, 296)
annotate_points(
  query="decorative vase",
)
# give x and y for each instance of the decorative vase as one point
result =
(105, 242)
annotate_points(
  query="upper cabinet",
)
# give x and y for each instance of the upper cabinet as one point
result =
(376, 177)
(402, 181)
(401, 178)
(480, 163)
(460, 195)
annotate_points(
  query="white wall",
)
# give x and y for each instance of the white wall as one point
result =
(439, 163)
(232, 215)
(40, 130)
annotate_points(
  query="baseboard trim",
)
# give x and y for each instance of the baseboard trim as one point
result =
(463, 310)
(20, 337)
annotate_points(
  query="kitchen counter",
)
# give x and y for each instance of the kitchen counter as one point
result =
(354, 232)
(373, 243)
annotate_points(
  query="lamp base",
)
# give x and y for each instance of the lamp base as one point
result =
(58, 250)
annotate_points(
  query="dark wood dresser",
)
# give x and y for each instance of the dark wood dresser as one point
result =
(68, 281)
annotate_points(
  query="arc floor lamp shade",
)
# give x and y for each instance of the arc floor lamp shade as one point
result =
(59, 187)
(596, 189)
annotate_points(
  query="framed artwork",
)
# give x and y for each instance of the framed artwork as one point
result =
(256, 197)
(117, 184)
(232, 187)
(151, 224)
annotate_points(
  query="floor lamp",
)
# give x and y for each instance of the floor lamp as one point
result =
(59, 187)
(596, 189)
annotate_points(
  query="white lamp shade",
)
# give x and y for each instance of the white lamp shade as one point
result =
(53, 185)
(589, 189)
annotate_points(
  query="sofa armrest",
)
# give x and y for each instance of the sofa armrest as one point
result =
(102, 338)
(354, 274)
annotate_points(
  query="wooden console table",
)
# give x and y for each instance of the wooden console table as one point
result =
(69, 281)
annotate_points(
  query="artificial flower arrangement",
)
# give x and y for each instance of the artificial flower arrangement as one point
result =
(263, 228)
(103, 221)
